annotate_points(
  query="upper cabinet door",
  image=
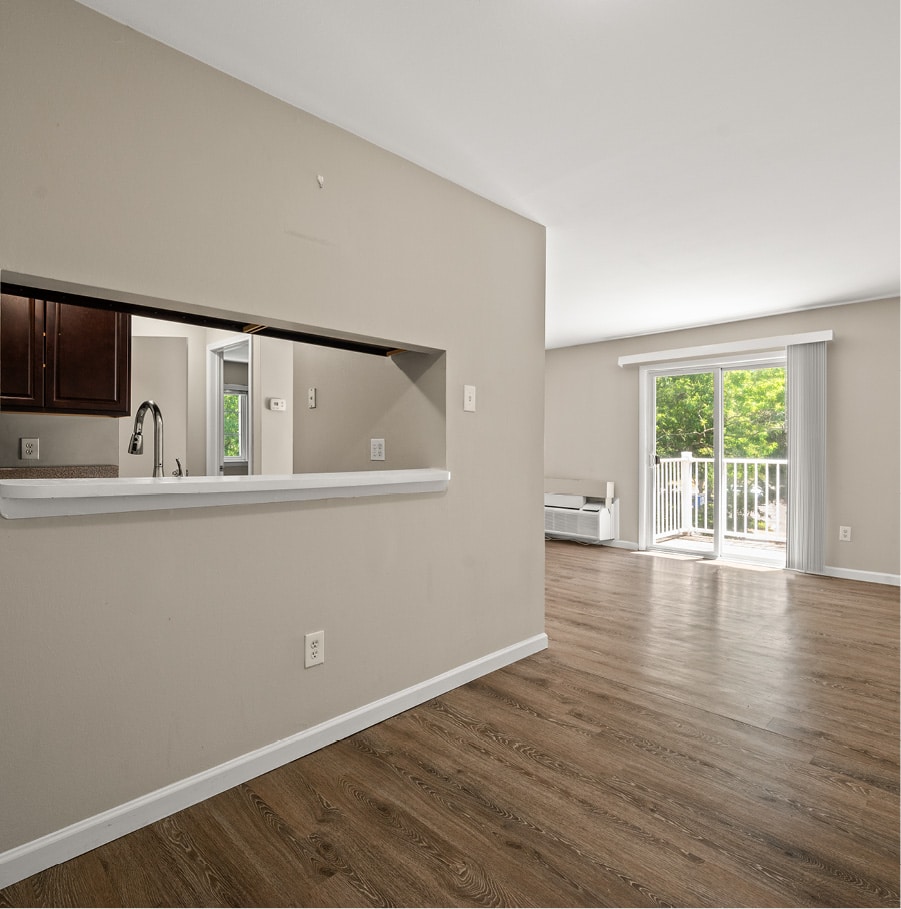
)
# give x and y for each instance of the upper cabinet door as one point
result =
(88, 360)
(63, 358)
(21, 352)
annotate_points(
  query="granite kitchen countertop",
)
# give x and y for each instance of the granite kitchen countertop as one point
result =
(60, 472)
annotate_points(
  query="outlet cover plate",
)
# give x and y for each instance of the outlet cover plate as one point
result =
(313, 649)
(30, 449)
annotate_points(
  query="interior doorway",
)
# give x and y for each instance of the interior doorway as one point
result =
(229, 448)
(714, 452)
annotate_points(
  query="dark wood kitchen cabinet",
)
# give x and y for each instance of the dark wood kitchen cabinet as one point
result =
(63, 358)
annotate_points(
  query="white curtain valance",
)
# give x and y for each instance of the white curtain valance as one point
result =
(728, 347)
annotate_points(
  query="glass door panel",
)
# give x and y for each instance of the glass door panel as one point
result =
(684, 486)
(755, 463)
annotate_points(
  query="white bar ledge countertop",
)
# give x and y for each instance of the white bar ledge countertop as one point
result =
(53, 497)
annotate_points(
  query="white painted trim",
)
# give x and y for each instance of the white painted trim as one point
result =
(647, 417)
(215, 369)
(62, 845)
(215, 382)
(55, 497)
(871, 577)
(728, 347)
(760, 359)
(646, 407)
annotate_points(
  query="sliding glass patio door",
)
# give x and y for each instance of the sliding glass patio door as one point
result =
(755, 464)
(713, 459)
(686, 438)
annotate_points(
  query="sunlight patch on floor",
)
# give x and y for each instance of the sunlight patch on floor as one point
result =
(678, 556)
(732, 563)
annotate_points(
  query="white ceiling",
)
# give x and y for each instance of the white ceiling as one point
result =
(693, 160)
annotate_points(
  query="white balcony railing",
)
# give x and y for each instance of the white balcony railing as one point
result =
(755, 491)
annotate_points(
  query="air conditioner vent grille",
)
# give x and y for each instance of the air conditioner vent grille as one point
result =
(571, 523)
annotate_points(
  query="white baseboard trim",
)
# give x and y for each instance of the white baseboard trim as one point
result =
(872, 577)
(76, 839)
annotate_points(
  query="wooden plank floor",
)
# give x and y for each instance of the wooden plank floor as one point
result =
(697, 734)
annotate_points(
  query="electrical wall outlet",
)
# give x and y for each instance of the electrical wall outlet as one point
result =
(313, 649)
(30, 449)
(376, 449)
(844, 534)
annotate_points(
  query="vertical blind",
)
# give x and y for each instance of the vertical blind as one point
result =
(806, 418)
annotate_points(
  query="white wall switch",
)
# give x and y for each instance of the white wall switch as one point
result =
(469, 398)
(278, 404)
(311, 398)
(30, 449)
(376, 449)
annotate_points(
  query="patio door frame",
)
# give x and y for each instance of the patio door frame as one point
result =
(647, 432)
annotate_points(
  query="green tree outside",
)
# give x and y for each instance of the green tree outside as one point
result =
(685, 415)
(753, 428)
(753, 414)
(231, 425)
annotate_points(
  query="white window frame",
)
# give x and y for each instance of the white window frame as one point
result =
(241, 391)
(215, 383)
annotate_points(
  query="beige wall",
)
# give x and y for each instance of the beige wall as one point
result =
(234, 373)
(591, 407)
(273, 377)
(400, 399)
(159, 373)
(64, 439)
(196, 340)
(129, 166)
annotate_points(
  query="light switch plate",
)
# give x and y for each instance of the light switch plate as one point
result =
(469, 398)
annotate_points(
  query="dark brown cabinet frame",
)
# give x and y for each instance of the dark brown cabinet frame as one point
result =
(59, 357)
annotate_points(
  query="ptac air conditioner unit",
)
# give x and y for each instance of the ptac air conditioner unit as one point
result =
(591, 524)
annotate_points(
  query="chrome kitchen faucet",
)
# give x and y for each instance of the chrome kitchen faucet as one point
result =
(136, 444)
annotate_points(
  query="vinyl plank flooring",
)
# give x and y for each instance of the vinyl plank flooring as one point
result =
(489, 823)
(696, 734)
(506, 806)
(426, 860)
(589, 784)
